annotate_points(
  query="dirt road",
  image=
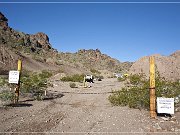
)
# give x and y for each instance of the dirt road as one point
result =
(81, 111)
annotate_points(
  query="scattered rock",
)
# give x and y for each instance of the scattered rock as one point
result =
(165, 118)
(157, 126)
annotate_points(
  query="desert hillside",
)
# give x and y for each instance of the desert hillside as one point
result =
(167, 66)
(37, 53)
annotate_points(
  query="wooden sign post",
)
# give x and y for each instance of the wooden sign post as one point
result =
(152, 88)
(18, 85)
(84, 83)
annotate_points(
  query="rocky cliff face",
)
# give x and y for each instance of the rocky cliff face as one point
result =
(41, 40)
(16, 45)
(167, 66)
(19, 40)
(3, 21)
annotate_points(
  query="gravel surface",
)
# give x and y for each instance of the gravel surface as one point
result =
(82, 111)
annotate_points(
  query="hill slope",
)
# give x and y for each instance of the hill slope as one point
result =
(38, 54)
(167, 66)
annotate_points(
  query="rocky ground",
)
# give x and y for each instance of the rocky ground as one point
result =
(82, 111)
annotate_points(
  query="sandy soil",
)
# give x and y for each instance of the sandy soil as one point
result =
(82, 111)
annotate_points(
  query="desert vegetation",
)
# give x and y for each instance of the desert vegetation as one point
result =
(73, 78)
(72, 85)
(135, 94)
(6, 94)
(35, 83)
(31, 84)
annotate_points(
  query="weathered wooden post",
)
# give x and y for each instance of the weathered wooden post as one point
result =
(18, 85)
(152, 88)
(84, 82)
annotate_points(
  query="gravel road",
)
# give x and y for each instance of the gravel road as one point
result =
(82, 111)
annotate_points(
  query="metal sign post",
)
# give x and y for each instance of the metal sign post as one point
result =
(152, 88)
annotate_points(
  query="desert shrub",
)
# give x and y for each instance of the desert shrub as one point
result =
(72, 85)
(38, 58)
(137, 96)
(133, 97)
(135, 79)
(101, 77)
(61, 70)
(7, 95)
(73, 78)
(3, 81)
(20, 42)
(121, 79)
(95, 71)
(45, 74)
(98, 77)
(35, 83)
(167, 89)
(27, 50)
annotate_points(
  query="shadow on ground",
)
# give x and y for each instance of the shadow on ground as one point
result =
(49, 96)
(19, 105)
(53, 96)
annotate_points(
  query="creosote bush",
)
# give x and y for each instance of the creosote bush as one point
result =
(3, 81)
(95, 71)
(7, 95)
(98, 77)
(136, 79)
(35, 83)
(121, 79)
(73, 78)
(136, 95)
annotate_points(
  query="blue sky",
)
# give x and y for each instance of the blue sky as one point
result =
(125, 31)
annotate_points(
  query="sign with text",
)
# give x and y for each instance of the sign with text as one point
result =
(165, 105)
(14, 77)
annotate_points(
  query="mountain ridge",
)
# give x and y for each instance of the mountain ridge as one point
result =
(37, 53)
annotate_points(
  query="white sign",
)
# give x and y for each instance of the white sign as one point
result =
(14, 77)
(165, 105)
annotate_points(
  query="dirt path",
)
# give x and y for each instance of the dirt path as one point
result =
(80, 111)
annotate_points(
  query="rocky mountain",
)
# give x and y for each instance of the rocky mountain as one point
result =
(94, 59)
(37, 54)
(167, 66)
(16, 45)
